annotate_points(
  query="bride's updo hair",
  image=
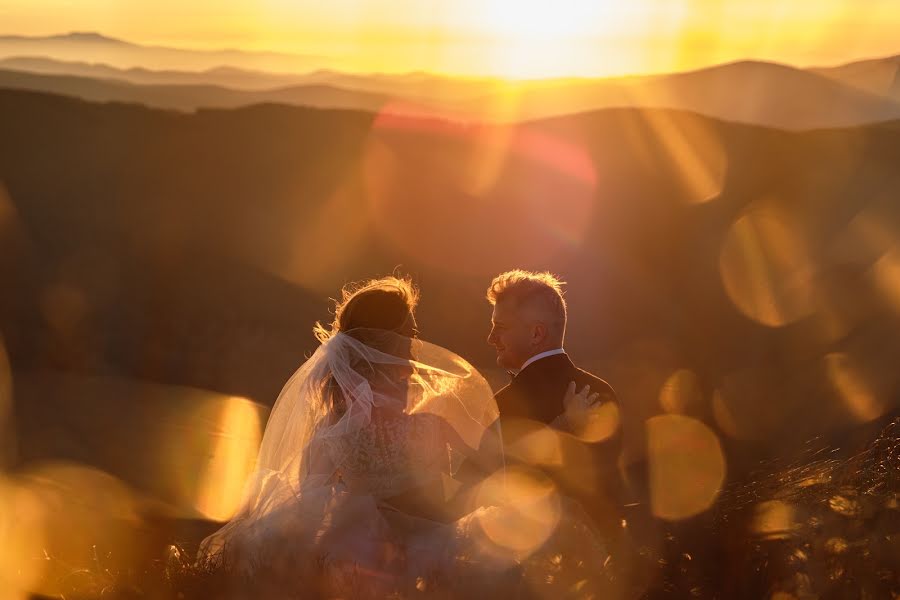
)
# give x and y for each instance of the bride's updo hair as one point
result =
(387, 303)
(364, 310)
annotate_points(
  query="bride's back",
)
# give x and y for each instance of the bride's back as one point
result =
(391, 454)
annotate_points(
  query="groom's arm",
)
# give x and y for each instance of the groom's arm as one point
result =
(594, 422)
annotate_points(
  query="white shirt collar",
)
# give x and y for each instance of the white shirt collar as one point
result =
(537, 357)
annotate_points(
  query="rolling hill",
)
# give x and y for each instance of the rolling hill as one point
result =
(198, 249)
(747, 92)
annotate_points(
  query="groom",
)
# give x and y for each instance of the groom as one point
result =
(528, 329)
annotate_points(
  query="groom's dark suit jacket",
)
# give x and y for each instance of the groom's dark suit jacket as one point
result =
(587, 471)
(537, 391)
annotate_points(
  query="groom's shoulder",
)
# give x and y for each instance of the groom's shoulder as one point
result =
(597, 384)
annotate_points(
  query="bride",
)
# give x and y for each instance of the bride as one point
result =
(353, 492)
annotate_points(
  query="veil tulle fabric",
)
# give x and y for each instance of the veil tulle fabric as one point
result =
(370, 412)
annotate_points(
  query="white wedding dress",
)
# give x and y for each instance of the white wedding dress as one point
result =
(353, 495)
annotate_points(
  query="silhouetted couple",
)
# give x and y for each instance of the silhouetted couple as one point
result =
(386, 467)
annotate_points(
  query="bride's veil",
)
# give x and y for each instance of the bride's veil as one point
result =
(333, 395)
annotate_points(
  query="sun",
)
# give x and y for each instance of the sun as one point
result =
(536, 19)
(545, 38)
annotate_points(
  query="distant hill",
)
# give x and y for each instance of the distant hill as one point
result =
(878, 76)
(96, 48)
(189, 97)
(198, 249)
(748, 92)
(410, 84)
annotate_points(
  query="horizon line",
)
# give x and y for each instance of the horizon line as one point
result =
(104, 38)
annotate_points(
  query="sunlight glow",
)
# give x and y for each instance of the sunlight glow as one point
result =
(681, 393)
(534, 443)
(850, 382)
(67, 512)
(532, 19)
(237, 442)
(687, 466)
(766, 270)
(524, 510)
(526, 193)
(502, 38)
(22, 519)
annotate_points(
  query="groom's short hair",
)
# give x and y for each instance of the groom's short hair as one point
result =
(543, 289)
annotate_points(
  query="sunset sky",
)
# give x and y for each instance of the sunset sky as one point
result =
(513, 38)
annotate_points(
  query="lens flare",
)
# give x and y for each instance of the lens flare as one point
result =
(516, 194)
(680, 394)
(886, 275)
(523, 510)
(692, 151)
(71, 512)
(236, 442)
(686, 466)
(766, 271)
(22, 529)
(599, 423)
(532, 443)
(324, 245)
(852, 387)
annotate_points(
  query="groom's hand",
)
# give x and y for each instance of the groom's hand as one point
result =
(577, 404)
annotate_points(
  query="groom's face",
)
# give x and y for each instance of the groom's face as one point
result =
(511, 335)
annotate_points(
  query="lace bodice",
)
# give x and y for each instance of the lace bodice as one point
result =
(391, 454)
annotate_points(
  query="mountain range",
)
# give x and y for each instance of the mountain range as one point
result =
(752, 92)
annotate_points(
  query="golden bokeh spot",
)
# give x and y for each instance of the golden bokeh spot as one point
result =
(598, 424)
(851, 385)
(686, 466)
(773, 520)
(76, 508)
(22, 530)
(533, 443)
(237, 439)
(865, 239)
(766, 271)
(886, 275)
(680, 394)
(723, 415)
(210, 450)
(523, 510)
